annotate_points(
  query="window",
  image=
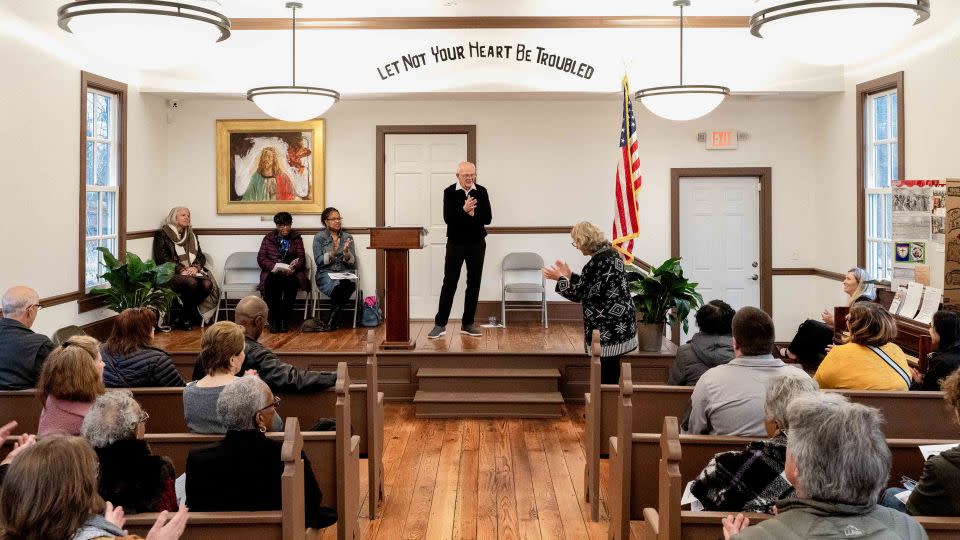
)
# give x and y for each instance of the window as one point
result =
(102, 175)
(880, 156)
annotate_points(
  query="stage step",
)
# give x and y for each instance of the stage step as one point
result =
(469, 392)
(474, 380)
(488, 404)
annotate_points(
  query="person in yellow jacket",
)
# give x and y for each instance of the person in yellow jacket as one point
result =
(869, 360)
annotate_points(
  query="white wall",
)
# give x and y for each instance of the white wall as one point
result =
(41, 222)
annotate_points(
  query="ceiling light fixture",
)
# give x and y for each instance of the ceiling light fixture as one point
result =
(293, 103)
(147, 34)
(833, 32)
(684, 101)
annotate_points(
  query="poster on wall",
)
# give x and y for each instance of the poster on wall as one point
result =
(918, 211)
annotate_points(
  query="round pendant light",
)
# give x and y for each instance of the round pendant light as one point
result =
(834, 32)
(293, 103)
(147, 34)
(683, 101)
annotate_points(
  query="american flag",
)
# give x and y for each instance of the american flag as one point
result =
(626, 222)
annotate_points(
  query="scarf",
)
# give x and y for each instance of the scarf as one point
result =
(186, 244)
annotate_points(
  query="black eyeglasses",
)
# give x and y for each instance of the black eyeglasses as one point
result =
(38, 306)
(275, 405)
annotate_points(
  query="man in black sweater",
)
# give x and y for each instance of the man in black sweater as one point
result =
(466, 209)
(22, 351)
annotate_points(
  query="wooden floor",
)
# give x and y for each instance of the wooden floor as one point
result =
(561, 337)
(483, 479)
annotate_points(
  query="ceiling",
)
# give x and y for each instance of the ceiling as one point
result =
(355, 61)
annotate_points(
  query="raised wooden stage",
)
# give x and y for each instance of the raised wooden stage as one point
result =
(521, 345)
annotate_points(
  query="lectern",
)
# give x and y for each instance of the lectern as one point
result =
(397, 242)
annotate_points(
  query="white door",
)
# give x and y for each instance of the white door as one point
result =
(720, 239)
(418, 169)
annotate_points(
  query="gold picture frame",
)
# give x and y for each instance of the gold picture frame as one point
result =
(270, 166)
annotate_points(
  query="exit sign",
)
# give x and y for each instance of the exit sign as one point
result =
(721, 139)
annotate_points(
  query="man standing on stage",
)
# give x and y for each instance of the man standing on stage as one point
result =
(466, 209)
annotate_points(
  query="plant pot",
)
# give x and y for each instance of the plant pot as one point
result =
(650, 336)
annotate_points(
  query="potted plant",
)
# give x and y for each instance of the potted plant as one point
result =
(135, 283)
(661, 296)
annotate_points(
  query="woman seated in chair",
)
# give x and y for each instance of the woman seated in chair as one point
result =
(243, 472)
(813, 338)
(70, 381)
(869, 360)
(221, 353)
(194, 283)
(129, 359)
(131, 476)
(334, 252)
(283, 270)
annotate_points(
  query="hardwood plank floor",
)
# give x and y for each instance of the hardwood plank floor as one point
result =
(478, 479)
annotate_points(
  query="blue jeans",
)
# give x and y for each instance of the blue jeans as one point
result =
(890, 501)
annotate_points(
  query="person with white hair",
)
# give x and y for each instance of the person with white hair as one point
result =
(22, 351)
(242, 472)
(194, 283)
(838, 462)
(752, 480)
(131, 476)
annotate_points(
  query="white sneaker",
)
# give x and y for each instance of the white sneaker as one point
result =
(437, 332)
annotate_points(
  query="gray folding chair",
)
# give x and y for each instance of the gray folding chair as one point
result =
(318, 295)
(516, 277)
(241, 275)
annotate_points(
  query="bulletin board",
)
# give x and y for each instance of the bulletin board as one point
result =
(919, 210)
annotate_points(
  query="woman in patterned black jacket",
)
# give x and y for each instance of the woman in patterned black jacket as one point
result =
(602, 290)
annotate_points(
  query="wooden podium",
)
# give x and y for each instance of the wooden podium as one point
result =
(397, 242)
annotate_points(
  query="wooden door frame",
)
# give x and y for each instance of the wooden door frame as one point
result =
(765, 175)
(470, 130)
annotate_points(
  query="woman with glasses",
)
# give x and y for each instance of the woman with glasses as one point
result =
(334, 251)
(283, 270)
(70, 381)
(131, 476)
(243, 472)
(221, 354)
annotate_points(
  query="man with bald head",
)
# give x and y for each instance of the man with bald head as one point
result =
(252, 315)
(22, 351)
(466, 211)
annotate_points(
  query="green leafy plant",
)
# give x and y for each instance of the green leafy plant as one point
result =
(135, 283)
(663, 295)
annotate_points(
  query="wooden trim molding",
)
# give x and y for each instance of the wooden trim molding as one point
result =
(251, 231)
(56, 300)
(764, 175)
(836, 276)
(88, 81)
(476, 23)
(894, 80)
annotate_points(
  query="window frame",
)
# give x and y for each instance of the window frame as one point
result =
(88, 82)
(865, 91)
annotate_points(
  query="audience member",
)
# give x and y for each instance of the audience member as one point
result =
(252, 314)
(601, 288)
(198, 290)
(22, 351)
(280, 285)
(869, 360)
(129, 359)
(945, 358)
(334, 251)
(938, 491)
(708, 348)
(22, 442)
(243, 471)
(813, 338)
(71, 379)
(837, 461)
(752, 480)
(221, 353)
(130, 475)
(50, 492)
(729, 399)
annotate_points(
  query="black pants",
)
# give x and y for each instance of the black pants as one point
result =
(342, 292)
(280, 292)
(457, 254)
(192, 292)
(610, 370)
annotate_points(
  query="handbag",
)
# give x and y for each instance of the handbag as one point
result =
(893, 365)
(370, 312)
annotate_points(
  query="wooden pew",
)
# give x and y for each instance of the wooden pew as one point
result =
(334, 457)
(633, 455)
(669, 522)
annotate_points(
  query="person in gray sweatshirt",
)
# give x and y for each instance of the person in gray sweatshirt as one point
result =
(710, 347)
